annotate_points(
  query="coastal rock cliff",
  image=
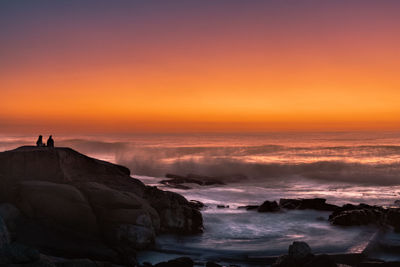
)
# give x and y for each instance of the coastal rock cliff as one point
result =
(76, 206)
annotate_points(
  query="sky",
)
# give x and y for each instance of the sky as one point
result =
(199, 66)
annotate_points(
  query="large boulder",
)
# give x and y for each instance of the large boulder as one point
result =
(123, 216)
(79, 207)
(128, 235)
(56, 204)
(16, 253)
(4, 235)
(176, 213)
(299, 250)
(299, 255)
(10, 215)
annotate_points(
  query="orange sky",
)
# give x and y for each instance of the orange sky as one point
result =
(258, 67)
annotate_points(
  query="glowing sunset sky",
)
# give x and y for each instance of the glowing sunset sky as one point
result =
(199, 65)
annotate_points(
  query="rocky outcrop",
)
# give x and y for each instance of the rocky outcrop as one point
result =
(56, 204)
(10, 215)
(79, 207)
(293, 204)
(16, 253)
(58, 165)
(4, 234)
(362, 214)
(300, 255)
(299, 250)
(176, 214)
(268, 206)
(178, 262)
(306, 203)
(124, 217)
(176, 180)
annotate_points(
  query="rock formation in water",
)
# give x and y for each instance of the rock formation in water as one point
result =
(66, 204)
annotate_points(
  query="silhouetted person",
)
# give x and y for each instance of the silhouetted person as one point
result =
(50, 142)
(39, 142)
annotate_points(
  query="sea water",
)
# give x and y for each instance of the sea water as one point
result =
(343, 167)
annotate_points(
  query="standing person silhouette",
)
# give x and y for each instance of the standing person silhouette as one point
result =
(50, 142)
(39, 142)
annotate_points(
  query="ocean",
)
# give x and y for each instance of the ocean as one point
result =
(343, 167)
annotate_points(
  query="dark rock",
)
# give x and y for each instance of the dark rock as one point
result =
(379, 264)
(286, 261)
(321, 261)
(312, 203)
(178, 262)
(393, 218)
(192, 178)
(299, 250)
(178, 186)
(212, 264)
(268, 206)
(77, 263)
(10, 215)
(249, 207)
(124, 217)
(196, 204)
(58, 165)
(75, 206)
(223, 206)
(18, 253)
(58, 204)
(175, 212)
(357, 215)
(128, 235)
(4, 234)
(62, 242)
